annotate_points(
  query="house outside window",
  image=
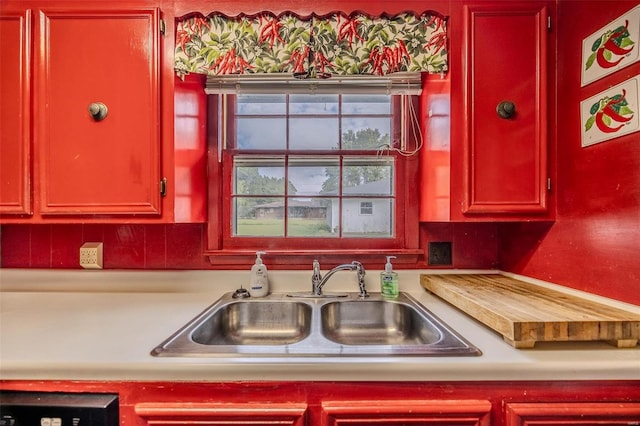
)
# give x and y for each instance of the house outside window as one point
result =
(366, 208)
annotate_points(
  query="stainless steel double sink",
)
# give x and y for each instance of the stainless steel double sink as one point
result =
(281, 325)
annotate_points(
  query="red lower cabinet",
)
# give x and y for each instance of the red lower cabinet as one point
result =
(255, 414)
(572, 413)
(406, 412)
(396, 412)
(268, 403)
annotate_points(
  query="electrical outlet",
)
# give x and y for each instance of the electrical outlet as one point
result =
(91, 256)
(440, 253)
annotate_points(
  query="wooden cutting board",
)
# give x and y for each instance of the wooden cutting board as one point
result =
(526, 313)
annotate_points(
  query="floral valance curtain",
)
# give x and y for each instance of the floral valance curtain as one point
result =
(336, 44)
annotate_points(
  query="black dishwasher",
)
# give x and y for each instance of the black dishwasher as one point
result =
(58, 409)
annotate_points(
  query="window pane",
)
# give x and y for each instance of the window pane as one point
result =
(313, 104)
(309, 217)
(313, 133)
(378, 224)
(366, 104)
(258, 176)
(261, 104)
(313, 175)
(262, 133)
(367, 176)
(258, 216)
(366, 207)
(365, 132)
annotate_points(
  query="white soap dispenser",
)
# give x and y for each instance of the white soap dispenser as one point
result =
(389, 281)
(258, 279)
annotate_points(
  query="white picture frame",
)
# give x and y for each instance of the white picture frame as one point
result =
(611, 113)
(602, 56)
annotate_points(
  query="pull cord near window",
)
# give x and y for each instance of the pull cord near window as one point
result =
(415, 128)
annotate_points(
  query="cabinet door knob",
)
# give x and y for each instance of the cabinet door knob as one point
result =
(506, 109)
(98, 111)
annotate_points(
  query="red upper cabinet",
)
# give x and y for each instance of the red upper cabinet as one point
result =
(496, 163)
(97, 110)
(505, 105)
(15, 112)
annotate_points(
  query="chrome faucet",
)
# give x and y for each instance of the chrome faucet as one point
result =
(318, 281)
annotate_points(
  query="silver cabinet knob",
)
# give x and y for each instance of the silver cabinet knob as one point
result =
(98, 111)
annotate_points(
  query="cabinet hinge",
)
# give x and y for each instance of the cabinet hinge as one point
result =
(163, 27)
(548, 184)
(549, 23)
(163, 187)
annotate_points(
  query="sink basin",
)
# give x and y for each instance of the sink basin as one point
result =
(283, 326)
(377, 322)
(251, 323)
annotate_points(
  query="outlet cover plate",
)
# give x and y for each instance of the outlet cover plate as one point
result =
(440, 253)
(91, 256)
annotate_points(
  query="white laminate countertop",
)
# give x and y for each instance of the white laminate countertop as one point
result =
(102, 325)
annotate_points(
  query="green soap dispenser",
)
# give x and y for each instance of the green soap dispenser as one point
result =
(389, 281)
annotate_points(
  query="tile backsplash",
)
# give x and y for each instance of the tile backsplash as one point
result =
(127, 246)
(181, 246)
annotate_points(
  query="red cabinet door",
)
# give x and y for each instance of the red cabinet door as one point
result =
(506, 60)
(404, 412)
(15, 112)
(250, 413)
(89, 165)
(572, 413)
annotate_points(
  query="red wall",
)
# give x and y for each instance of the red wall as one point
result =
(182, 245)
(594, 243)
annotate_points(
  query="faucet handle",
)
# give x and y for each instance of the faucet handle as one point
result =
(359, 267)
(316, 277)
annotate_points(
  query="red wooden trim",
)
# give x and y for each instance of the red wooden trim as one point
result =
(435, 412)
(214, 173)
(190, 184)
(572, 413)
(236, 7)
(302, 259)
(224, 249)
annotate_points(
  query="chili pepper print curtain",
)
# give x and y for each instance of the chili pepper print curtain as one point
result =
(336, 44)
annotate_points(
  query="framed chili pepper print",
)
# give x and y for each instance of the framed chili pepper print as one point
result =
(614, 46)
(611, 113)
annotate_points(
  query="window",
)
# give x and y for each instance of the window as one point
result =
(366, 208)
(313, 172)
(303, 164)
